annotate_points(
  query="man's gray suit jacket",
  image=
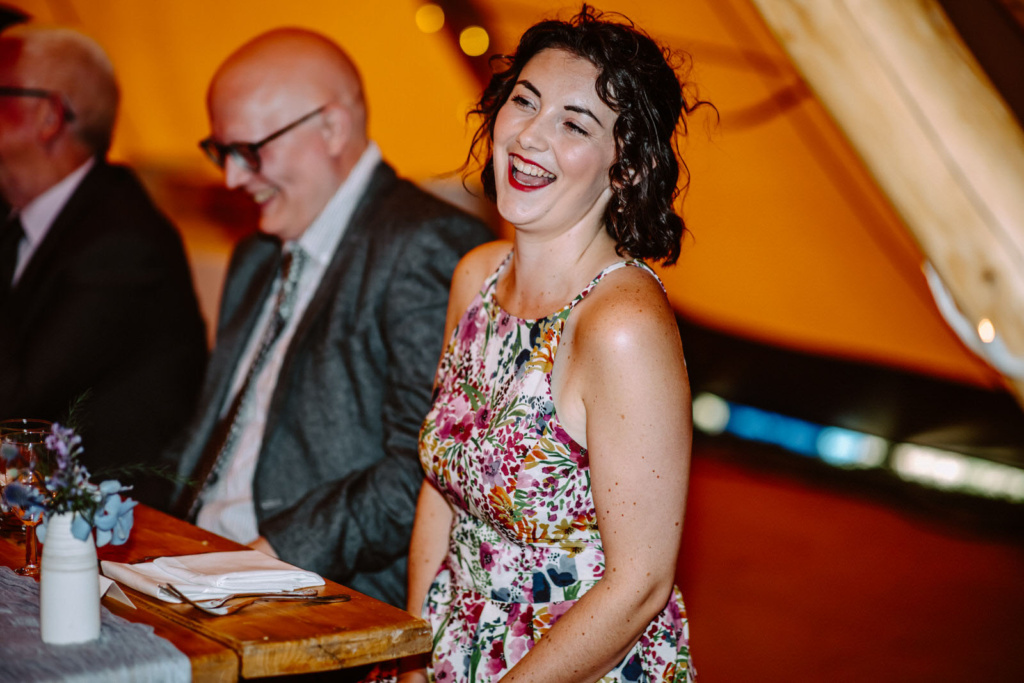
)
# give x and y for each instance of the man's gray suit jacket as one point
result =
(338, 472)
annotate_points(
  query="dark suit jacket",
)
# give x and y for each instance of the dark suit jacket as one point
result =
(106, 305)
(338, 471)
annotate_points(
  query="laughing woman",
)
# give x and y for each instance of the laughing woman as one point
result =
(557, 449)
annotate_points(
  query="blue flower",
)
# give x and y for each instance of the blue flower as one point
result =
(633, 669)
(124, 524)
(541, 588)
(80, 527)
(8, 452)
(114, 519)
(26, 498)
(565, 574)
(110, 486)
(69, 490)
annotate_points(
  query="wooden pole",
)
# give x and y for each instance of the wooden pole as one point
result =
(933, 131)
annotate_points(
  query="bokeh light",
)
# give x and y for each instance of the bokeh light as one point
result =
(474, 41)
(430, 18)
(986, 330)
(710, 413)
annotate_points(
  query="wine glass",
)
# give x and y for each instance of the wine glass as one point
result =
(24, 442)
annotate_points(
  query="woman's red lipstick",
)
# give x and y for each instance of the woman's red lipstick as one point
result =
(536, 183)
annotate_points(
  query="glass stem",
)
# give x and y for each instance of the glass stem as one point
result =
(31, 546)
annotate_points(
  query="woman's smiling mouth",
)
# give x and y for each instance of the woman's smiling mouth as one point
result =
(526, 176)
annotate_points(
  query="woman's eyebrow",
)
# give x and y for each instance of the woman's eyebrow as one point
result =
(583, 110)
(529, 86)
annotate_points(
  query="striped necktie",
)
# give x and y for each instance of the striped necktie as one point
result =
(222, 442)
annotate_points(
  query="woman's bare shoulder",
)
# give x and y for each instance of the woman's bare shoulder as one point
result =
(627, 305)
(471, 272)
(477, 265)
(626, 323)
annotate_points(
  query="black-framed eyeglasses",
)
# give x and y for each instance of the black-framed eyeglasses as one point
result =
(248, 153)
(52, 95)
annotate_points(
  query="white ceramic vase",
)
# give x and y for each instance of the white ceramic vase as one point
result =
(69, 590)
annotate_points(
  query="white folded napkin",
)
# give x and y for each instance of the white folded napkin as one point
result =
(212, 575)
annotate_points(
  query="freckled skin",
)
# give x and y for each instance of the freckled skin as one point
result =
(620, 389)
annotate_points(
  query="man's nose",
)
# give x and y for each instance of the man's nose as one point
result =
(236, 173)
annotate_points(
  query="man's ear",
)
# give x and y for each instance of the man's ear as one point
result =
(50, 119)
(337, 128)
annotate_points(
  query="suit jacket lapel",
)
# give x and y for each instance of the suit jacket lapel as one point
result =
(55, 241)
(245, 290)
(338, 270)
(255, 275)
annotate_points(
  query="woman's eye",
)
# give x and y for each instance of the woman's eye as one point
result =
(576, 129)
(520, 101)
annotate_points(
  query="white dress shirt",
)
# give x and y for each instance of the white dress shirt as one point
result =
(38, 215)
(227, 506)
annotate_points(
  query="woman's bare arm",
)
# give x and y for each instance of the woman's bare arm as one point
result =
(629, 370)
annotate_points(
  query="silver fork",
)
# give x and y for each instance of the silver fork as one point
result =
(221, 611)
(298, 593)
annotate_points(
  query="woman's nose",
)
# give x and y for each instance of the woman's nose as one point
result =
(533, 134)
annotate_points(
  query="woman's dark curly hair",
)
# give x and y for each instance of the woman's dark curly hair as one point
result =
(637, 82)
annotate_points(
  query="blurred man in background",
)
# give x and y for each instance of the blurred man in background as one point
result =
(96, 299)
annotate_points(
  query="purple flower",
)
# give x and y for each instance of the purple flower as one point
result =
(455, 418)
(520, 621)
(492, 473)
(444, 672)
(65, 443)
(579, 455)
(468, 326)
(69, 490)
(505, 323)
(495, 659)
(486, 556)
(561, 435)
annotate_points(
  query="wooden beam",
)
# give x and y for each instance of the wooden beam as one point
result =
(932, 130)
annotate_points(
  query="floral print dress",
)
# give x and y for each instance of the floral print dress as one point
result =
(524, 542)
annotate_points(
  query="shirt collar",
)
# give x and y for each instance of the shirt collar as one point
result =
(321, 238)
(39, 214)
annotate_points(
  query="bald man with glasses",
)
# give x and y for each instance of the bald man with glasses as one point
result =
(305, 444)
(96, 300)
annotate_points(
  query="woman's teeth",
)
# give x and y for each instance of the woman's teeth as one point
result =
(528, 175)
(529, 169)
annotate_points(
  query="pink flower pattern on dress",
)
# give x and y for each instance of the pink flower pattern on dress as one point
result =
(524, 543)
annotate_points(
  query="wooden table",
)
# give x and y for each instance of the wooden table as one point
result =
(265, 639)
